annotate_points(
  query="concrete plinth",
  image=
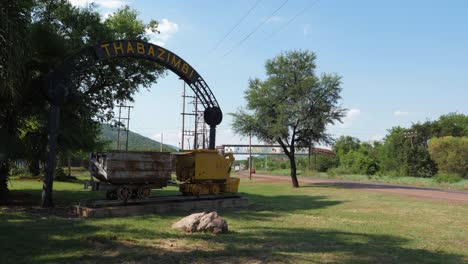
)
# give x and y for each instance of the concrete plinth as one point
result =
(160, 207)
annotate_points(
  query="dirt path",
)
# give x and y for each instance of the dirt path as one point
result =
(404, 190)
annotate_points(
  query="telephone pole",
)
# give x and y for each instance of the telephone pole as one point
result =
(121, 132)
(411, 135)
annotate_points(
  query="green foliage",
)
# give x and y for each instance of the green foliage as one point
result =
(356, 157)
(325, 163)
(20, 172)
(292, 106)
(345, 144)
(450, 154)
(57, 29)
(452, 124)
(448, 178)
(407, 153)
(14, 28)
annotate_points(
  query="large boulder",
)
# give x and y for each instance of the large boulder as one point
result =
(202, 222)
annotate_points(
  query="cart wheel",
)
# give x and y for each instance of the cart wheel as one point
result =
(214, 189)
(196, 190)
(144, 192)
(124, 193)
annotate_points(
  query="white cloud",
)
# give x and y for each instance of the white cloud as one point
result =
(400, 113)
(111, 4)
(350, 117)
(80, 2)
(166, 30)
(307, 28)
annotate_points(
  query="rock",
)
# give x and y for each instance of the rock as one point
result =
(202, 222)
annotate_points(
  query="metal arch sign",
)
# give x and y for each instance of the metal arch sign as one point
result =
(56, 87)
(142, 49)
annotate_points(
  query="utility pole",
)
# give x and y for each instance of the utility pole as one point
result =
(183, 118)
(411, 135)
(186, 134)
(125, 121)
(195, 140)
(161, 145)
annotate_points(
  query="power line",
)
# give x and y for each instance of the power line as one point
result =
(236, 25)
(256, 28)
(292, 19)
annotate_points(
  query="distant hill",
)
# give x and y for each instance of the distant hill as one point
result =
(135, 140)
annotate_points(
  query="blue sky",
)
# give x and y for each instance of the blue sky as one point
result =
(401, 61)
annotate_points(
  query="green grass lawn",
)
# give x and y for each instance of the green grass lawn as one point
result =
(413, 181)
(284, 225)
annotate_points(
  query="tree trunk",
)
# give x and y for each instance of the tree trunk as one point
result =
(4, 171)
(47, 184)
(295, 182)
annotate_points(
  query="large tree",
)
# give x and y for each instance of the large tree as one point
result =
(55, 30)
(95, 90)
(292, 106)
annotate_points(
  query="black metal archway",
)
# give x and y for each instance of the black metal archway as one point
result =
(57, 88)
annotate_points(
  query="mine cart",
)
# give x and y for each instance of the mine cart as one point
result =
(130, 174)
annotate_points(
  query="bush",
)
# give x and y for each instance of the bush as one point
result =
(324, 163)
(20, 172)
(338, 171)
(448, 178)
(450, 154)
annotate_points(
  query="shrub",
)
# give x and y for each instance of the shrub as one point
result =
(450, 154)
(324, 163)
(20, 172)
(448, 178)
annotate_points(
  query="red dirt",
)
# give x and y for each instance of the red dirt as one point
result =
(403, 190)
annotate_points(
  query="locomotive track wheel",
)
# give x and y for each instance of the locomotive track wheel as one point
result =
(124, 193)
(196, 190)
(143, 192)
(214, 189)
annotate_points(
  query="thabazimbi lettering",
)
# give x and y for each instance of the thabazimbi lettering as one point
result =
(123, 48)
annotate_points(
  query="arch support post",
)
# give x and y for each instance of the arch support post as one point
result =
(54, 117)
(212, 137)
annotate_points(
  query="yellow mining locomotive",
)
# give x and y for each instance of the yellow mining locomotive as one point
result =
(205, 171)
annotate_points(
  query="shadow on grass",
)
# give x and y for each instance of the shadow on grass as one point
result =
(260, 207)
(265, 207)
(362, 185)
(62, 241)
